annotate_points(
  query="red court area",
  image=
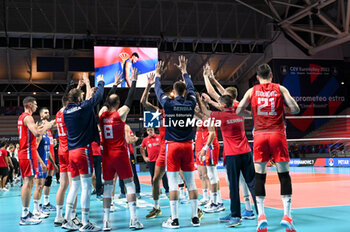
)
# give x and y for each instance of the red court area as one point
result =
(309, 189)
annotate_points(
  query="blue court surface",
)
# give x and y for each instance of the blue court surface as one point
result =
(310, 219)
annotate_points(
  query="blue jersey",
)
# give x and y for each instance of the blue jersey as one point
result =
(123, 78)
(44, 148)
(81, 122)
(179, 112)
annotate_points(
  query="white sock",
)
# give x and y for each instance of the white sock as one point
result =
(248, 206)
(260, 204)
(214, 197)
(205, 194)
(106, 213)
(25, 211)
(85, 217)
(156, 204)
(287, 205)
(72, 194)
(74, 213)
(194, 206)
(132, 209)
(46, 199)
(36, 205)
(59, 211)
(219, 197)
(85, 198)
(174, 209)
(182, 192)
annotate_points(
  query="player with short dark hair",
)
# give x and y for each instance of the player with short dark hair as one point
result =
(267, 100)
(179, 154)
(128, 66)
(238, 157)
(28, 156)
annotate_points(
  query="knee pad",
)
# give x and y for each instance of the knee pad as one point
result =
(107, 191)
(130, 188)
(173, 178)
(286, 183)
(260, 180)
(189, 179)
(48, 181)
(212, 174)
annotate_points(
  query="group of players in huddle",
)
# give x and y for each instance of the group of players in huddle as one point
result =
(78, 128)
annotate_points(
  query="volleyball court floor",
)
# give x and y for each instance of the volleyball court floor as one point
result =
(321, 202)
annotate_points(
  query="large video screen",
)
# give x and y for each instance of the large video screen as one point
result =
(111, 60)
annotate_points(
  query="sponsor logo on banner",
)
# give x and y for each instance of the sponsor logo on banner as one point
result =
(338, 162)
(301, 162)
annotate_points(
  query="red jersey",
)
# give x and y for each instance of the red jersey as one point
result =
(233, 132)
(52, 151)
(62, 132)
(130, 147)
(152, 144)
(113, 131)
(3, 155)
(27, 141)
(267, 108)
(202, 135)
(96, 149)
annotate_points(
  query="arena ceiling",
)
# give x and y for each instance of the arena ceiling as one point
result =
(231, 34)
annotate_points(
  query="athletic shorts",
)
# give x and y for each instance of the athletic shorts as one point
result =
(211, 158)
(161, 157)
(63, 157)
(81, 161)
(39, 172)
(179, 155)
(27, 167)
(270, 146)
(116, 161)
(4, 171)
(49, 166)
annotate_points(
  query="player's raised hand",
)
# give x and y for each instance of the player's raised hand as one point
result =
(134, 74)
(99, 78)
(211, 75)
(150, 79)
(182, 66)
(206, 70)
(117, 78)
(160, 68)
(80, 82)
(206, 97)
(85, 77)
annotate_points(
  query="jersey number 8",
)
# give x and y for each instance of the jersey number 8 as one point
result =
(108, 131)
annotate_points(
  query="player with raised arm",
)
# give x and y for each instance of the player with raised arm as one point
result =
(28, 156)
(209, 77)
(65, 176)
(238, 157)
(267, 100)
(81, 125)
(115, 157)
(159, 170)
(179, 135)
(128, 67)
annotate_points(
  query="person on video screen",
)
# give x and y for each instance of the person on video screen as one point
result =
(127, 67)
